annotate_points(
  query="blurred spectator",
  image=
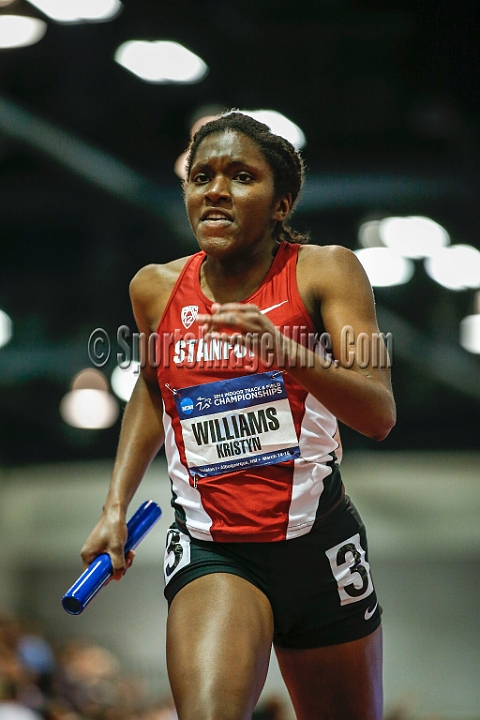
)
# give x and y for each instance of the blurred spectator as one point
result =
(88, 679)
(84, 682)
(11, 708)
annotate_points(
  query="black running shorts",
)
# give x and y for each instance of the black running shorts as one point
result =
(319, 585)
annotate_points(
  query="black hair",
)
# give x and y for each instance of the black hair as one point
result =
(285, 161)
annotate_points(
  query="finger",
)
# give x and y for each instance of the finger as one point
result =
(120, 570)
(117, 556)
(129, 558)
(219, 309)
(233, 306)
(230, 319)
(88, 557)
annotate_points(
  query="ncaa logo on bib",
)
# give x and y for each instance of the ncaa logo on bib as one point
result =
(189, 315)
(187, 406)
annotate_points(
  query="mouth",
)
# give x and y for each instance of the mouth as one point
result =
(216, 217)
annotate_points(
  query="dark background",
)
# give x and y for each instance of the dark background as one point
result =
(387, 94)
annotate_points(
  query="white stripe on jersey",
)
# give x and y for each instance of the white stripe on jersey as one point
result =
(188, 496)
(316, 443)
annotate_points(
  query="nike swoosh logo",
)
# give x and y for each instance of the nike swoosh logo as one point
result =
(369, 613)
(273, 307)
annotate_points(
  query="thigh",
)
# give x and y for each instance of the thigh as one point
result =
(336, 682)
(320, 584)
(219, 638)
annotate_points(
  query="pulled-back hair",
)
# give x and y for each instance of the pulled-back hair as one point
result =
(285, 162)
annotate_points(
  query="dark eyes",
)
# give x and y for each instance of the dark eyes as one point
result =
(242, 176)
(200, 178)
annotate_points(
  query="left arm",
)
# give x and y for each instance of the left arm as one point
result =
(333, 278)
(358, 389)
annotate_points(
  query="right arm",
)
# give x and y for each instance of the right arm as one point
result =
(141, 435)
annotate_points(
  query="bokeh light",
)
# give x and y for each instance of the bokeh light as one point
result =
(89, 409)
(470, 333)
(89, 405)
(20, 31)
(280, 125)
(414, 236)
(124, 380)
(6, 328)
(456, 267)
(90, 379)
(78, 11)
(368, 234)
(161, 61)
(385, 267)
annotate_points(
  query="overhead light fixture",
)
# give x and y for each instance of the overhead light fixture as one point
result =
(180, 166)
(78, 11)
(280, 125)
(90, 379)
(470, 329)
(89, 409)
(456, 267)
(385, 267)
(89, 405)
(470, 333)
(368, 235)
(20, 31)
(161, 61)
(5, 328)
(124, 380)
(414, 236)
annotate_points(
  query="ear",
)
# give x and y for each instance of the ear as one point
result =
(282, 207)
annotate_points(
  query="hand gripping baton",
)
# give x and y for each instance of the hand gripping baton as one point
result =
(100, 570)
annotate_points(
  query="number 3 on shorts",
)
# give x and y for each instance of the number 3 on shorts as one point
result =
(177, 553)
(350, 570)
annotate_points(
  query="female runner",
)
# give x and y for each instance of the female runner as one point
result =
(266, 548)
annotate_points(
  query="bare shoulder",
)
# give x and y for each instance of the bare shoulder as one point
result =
(156, 277)
(151, 287)
(327, 258)
(330, 268)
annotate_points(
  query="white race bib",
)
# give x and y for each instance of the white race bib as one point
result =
(236, 424)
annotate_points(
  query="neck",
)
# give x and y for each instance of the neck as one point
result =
(235, 279)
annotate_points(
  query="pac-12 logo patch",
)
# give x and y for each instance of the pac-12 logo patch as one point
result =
(189, 315)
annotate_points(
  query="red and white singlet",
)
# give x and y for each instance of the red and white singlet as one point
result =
(249, 450)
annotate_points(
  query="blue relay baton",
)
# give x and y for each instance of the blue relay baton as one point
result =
(100, 570)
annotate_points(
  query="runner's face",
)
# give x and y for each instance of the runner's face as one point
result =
(230, 195)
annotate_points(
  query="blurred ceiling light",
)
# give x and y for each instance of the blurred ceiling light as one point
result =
(90, 379)
(470, 329)
(161, 61)
(414, 236)
(89, 409)
(180, 167)
(456, 267)
(200, 122)
(470, 333)
(78, 11)
(124, 380)
(19, 31)
(385, 267)
(368, 235)
(280, 125)
(5, 328)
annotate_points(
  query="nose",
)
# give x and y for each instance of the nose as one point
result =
(218, 189)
